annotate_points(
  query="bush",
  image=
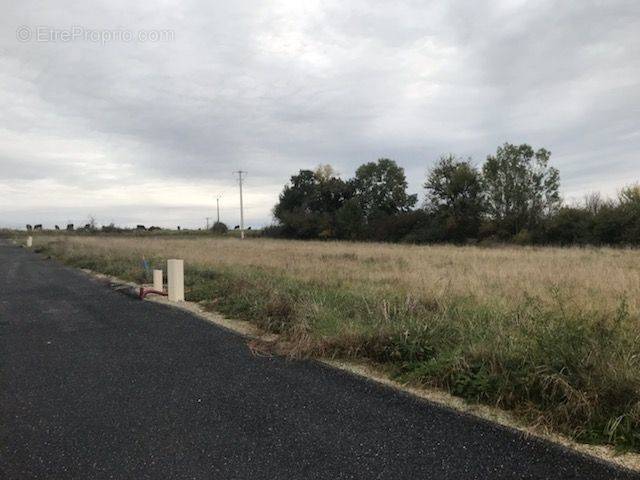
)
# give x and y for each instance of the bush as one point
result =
(523, 237)
(219, 228)
(273, 231)
(571, 226)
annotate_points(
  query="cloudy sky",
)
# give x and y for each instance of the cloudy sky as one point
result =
(140, 112)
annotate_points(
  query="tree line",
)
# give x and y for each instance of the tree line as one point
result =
(513, 197)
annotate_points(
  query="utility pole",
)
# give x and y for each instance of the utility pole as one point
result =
(208, 222)
(218, 207)
(240, 173)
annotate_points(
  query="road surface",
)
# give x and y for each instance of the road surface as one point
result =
(96, 385)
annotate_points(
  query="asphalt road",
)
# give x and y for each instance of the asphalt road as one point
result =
(95, 384)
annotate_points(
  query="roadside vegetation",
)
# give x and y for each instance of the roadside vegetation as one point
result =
(551, 334)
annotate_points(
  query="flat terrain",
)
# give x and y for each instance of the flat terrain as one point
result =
(549, 334)
(98, 385)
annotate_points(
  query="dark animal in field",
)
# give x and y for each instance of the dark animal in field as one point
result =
(249, 228)
(153, 228)
(141, 227)
(236, 227)
(57, 227)
(37, 227)
(29, 227)
(69, 226)
(178, 227)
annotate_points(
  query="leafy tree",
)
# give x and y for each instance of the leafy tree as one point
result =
(381, 188)
(521, 188)
(629, 203)
(307, 206)
(455, 198)
(350, 221)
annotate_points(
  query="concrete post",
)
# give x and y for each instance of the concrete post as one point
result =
(29, 242)
(175, 280)
(157, 280)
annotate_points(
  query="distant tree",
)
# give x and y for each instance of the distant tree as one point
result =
(307, 207)
(92, 224)
(629, 203)
(630, 195)
(325, 172)
(521, 188)
(219, 228)
(111, 228)
(350, 221)
(381, 189)
(593, 202)
(455, 198)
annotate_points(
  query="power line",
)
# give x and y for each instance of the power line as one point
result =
(240, 173)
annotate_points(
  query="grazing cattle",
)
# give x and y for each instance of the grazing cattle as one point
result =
(37, 227)
(140, 227)
(70, 226)
(57, 227)
(248, 228)
(29, 227)
(237, 227)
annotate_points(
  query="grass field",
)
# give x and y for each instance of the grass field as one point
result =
(550, 334)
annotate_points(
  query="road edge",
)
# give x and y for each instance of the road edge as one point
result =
(501, 418)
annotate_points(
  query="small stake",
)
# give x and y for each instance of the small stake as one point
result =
(29, 242)
(157, 280)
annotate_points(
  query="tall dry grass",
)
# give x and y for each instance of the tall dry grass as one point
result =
(590, 278)
(551, 333)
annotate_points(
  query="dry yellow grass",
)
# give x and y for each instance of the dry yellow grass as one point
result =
(591, 278)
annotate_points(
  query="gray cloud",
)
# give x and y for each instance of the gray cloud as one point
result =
(151, 131)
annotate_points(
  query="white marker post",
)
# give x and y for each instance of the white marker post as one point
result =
(157, 280)
(29, 242)
(175, 280)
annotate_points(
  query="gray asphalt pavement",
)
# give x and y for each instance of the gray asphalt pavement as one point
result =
(97, 385)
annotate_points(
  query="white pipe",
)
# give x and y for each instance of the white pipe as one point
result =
(175, 280)
(157, 280)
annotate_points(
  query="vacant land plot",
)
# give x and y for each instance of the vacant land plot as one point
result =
(551, 334)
